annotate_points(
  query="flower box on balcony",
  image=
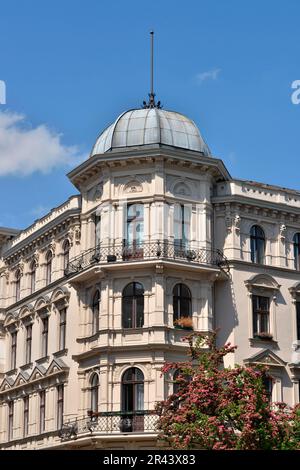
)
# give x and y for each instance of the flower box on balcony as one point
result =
(132, 253)
(184, 323)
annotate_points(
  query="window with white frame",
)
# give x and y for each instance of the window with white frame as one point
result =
(257, 244)
(28, 345)
(49, 257)
(10, 420)
(94, 393)
(296, 243)
(45, 329)
(42, 411)
(261, 316)
(95, 312)
(13, 350)
(18, 285)
(66, 253)
(60, 406)
(33, 267)
(25, 416)
(62, 328)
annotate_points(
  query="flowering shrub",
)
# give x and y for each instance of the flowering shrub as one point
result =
(221, 408)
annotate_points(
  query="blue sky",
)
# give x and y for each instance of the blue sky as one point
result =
(71, 67)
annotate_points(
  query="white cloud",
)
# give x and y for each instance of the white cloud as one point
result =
(208, 75)
(25, 149)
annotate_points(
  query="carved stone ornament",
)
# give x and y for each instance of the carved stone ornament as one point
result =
(75, 235)
(295, 358)
(282, 231)
(237, 223)
(133, 187)
(98, 192)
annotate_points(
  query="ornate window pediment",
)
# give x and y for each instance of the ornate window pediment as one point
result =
(60, 297)
(26, 313)
(6, 384)
(182, 189)
(261, 282)
(133, 187)
(295, 290)
(42, 304)
(57, 366)
(267, 358)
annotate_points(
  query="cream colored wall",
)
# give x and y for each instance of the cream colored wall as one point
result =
(223, 304)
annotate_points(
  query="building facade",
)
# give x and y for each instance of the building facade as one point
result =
(96, 296)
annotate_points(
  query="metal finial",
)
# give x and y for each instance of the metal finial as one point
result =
(151, 65)
(151, 103)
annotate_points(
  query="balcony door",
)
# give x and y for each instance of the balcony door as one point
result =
(135, 224)
(182, 226)
(132, 400)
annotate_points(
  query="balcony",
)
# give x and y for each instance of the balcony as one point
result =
(158, 250)
(110, 423)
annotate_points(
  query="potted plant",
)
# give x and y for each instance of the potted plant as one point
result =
(185, 323)
(264, 335)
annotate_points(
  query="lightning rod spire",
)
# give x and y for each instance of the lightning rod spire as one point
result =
(151, 103)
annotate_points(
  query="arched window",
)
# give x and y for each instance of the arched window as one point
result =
(257, 242)
(135, 224)
(18, 285)
(49, 257)
(182, 306)
(32, 276)
(133, 390)
(66, 248)
(133, 306)
(94, 393)
(95, 312)
(296, 241)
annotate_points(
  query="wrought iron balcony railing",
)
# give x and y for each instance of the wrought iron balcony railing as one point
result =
(110, 423)
(158, 250)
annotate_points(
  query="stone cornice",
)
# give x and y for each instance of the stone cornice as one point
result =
(262, 268)
(254, 207)
(162, 347)
(145, 155)
(42, 236)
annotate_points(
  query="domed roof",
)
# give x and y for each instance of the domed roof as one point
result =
(151, 126)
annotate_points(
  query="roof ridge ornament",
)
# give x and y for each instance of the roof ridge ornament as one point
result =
(151, 103)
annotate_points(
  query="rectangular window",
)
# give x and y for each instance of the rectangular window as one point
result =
(32, 280)
(97, 230)
(261, 315)
(13, 353)
(60, 406)
(10, 420)
(26, 416)
(45, 323)
(182, 225)
(298, 319)
(62, 328)
(42, 411)
(28, 343)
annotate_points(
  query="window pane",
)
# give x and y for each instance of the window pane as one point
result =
(139, 397)
(127, 312)
(139, 311)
